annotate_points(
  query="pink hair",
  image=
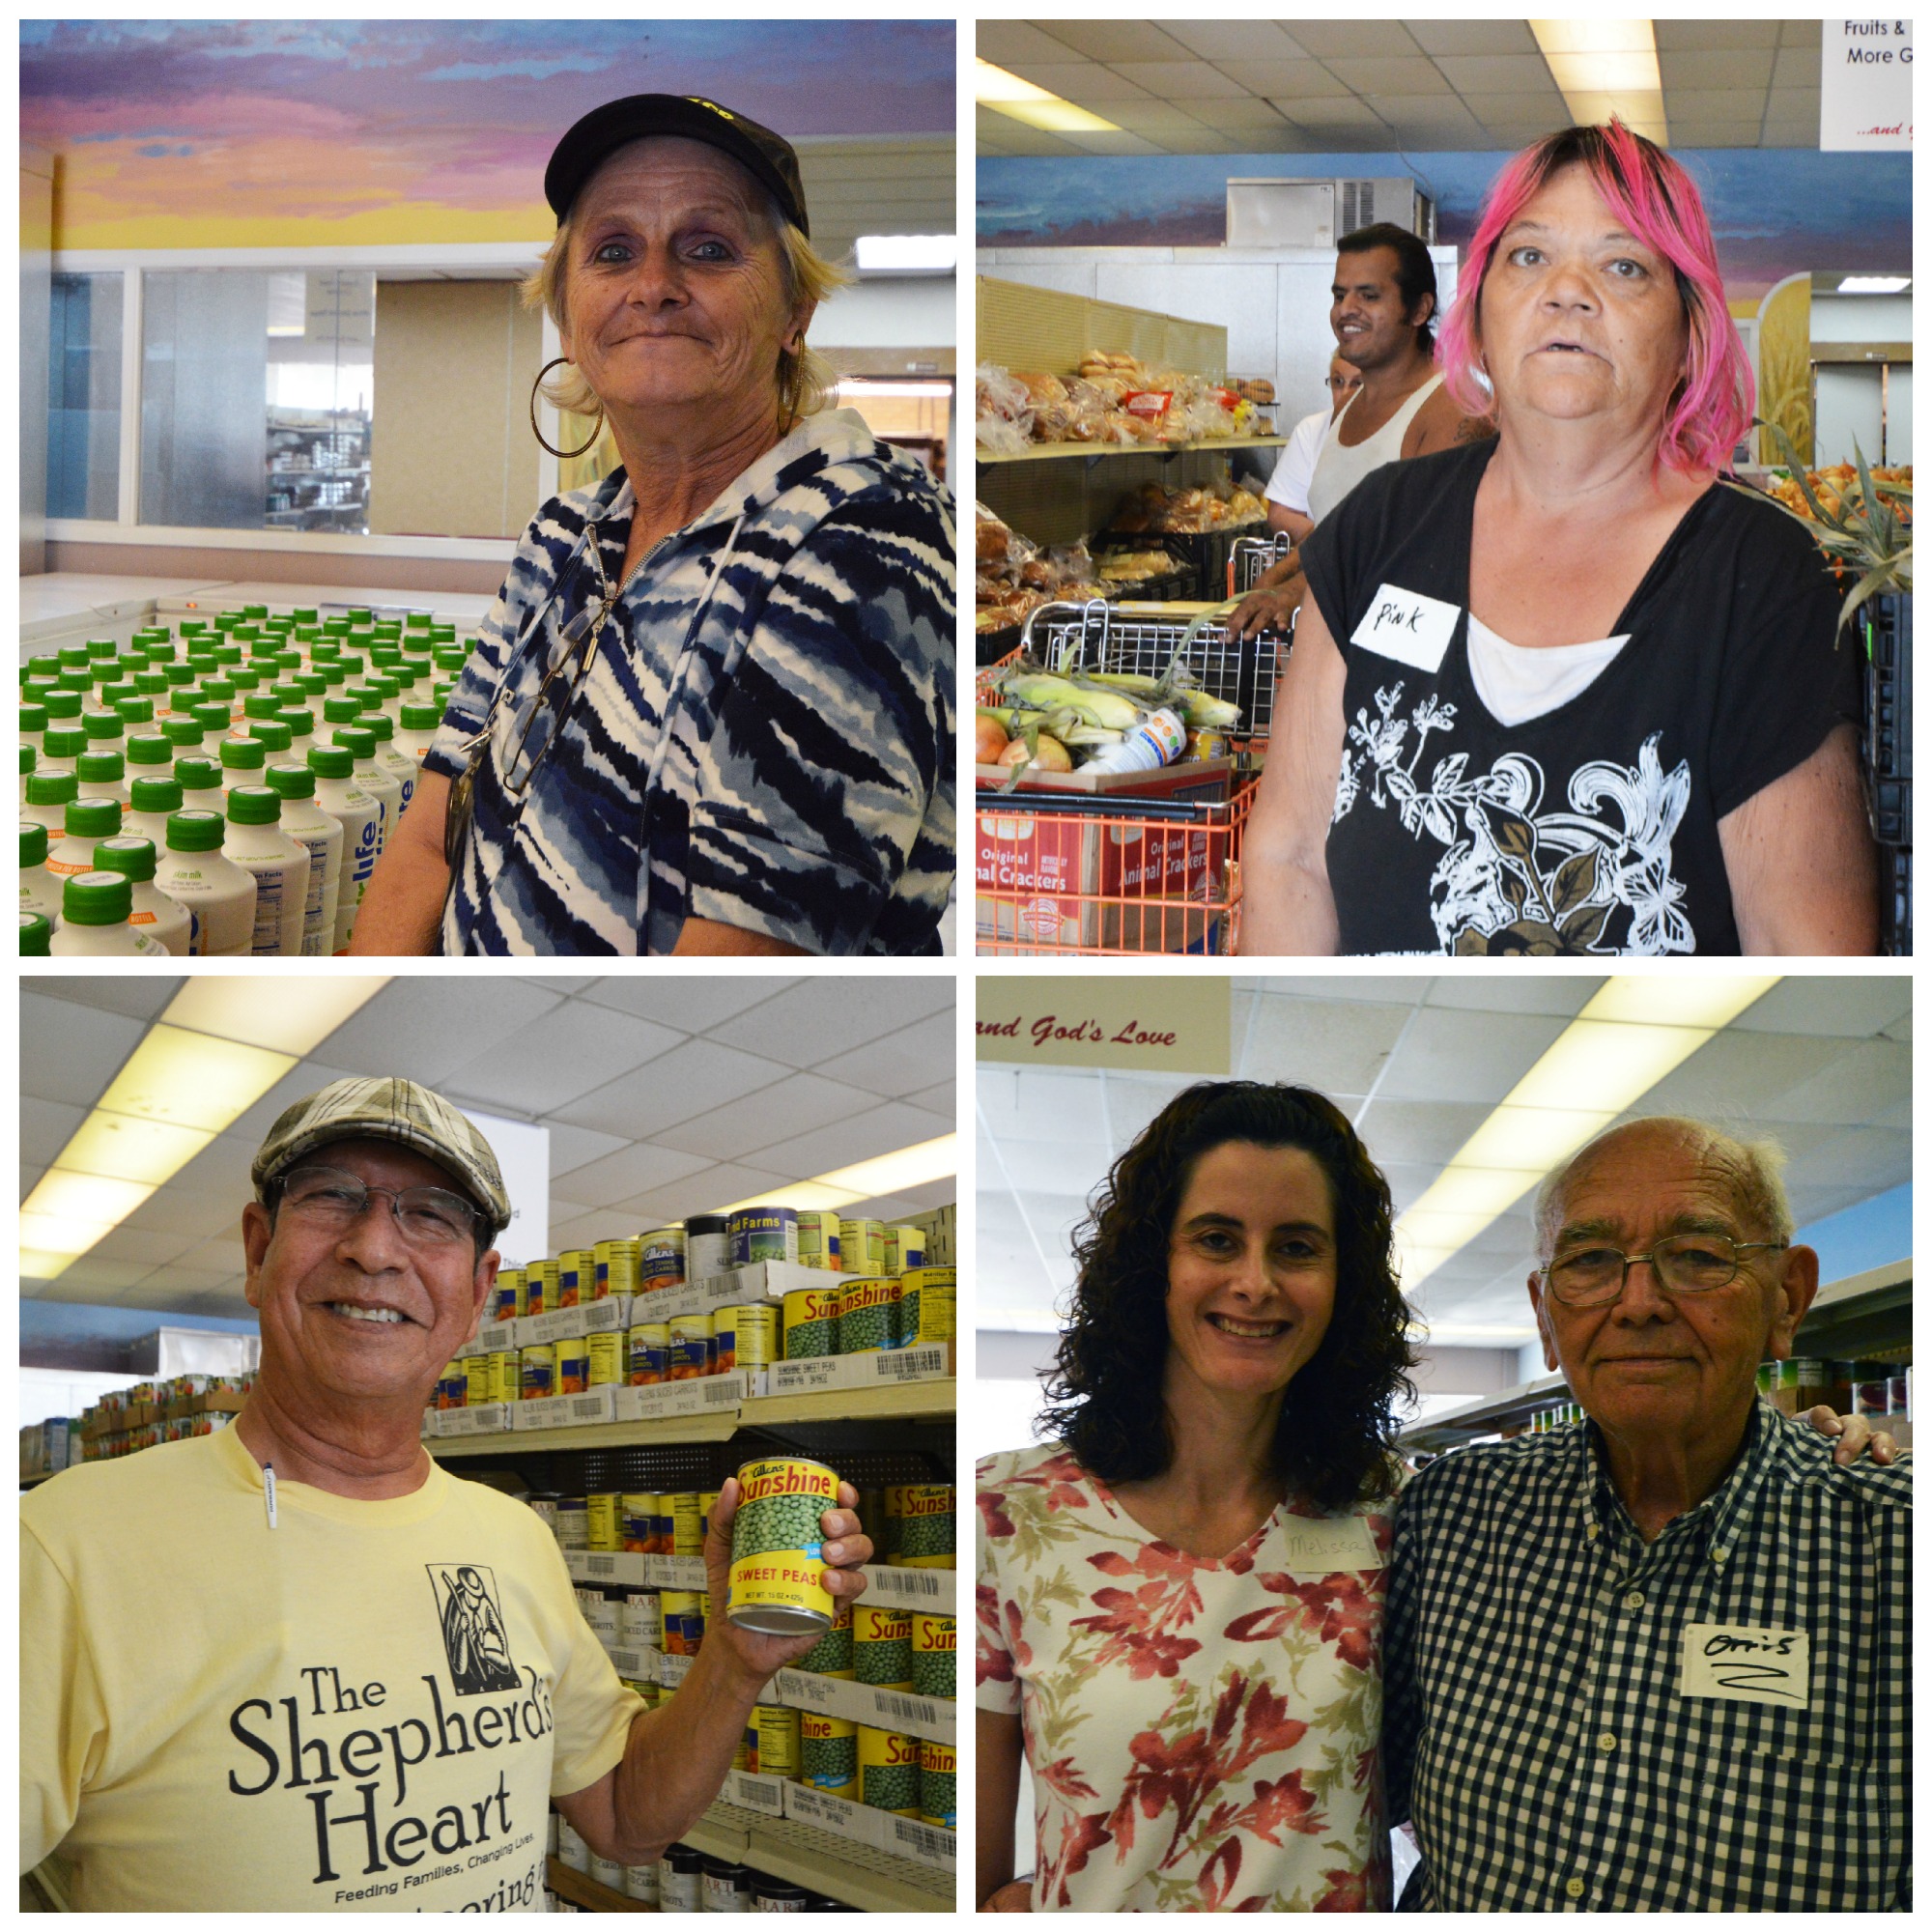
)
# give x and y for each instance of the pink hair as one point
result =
(1659, 202)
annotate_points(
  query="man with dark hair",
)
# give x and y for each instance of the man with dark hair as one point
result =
(1384, 316)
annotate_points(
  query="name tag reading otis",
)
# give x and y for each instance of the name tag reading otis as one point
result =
(1320, 1546)
(1747, 1664)
(1407, 626)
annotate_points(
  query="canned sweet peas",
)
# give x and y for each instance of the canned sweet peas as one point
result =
(778, 1566)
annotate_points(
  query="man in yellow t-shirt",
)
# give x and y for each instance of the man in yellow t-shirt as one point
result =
(296, 1665)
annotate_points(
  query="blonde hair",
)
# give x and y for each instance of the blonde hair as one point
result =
(807, 383)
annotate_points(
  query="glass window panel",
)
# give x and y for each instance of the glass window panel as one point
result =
(256, 396)
(84, 397)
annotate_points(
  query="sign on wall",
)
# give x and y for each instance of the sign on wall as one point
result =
(1866, 98)
(1169, 1024)
(522, 1153)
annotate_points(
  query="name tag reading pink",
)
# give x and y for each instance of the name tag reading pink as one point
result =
(1407, 626)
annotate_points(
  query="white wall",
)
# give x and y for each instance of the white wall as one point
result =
(895, 312)
(1860, 318)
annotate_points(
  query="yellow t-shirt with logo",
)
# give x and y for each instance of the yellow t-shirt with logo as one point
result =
(366, 1708)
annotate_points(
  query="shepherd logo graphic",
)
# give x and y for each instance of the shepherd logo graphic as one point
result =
(474, 1636)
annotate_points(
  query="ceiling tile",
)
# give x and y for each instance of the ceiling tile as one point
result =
(1113, 144)
(134, 995)
(559, 1057)
(1003, 41)
(1496, 73)
(185, 1210)
(1133, 1099)
(1422, 1131)
(46, 1126)
(219, 1173)
(1853, 1086)
(1336, 115)
(1802, 34)
(1727, 69)
(305, 1077)
(842, 1142)
(1848, 1005)
(1181, 80)
(1339, 39)
(636, 1168)
(69, 1053)
(222, 1257)
(1713, 108)
(1086, 83)
(1070, 1104)
(1474, 1056)
(1711, 35)
(1246, 116)
(1117, 41)
(1565, 994)
(165, 1286)
(773, 1115)
(1287, 79)
(1234, 41)
(703, 1193)
(1001, 133)
(1377, 74)
(689, 1080)
(1746, 1075)
(941, 1100)
(1051, 1166)
(90, 1280)
(572, 1148)
(421, 1027)
(1331, 1046)
(1473, 37)
(1532, 106)
(125, 1245)
(820, 1020)
(912, 1058)
(689, 1004)
(1869, 1158)
(1798, 67)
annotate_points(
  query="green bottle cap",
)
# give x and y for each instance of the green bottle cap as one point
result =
(184, 733)
(264, 704)
(361, 744)
(62, 704)
(255, 611)
(156, 794)
(52, 787)
(134, 710)
(302, 614)
(421, 717)
(33, 717)
(64, 742)
(419, 620)
(271, 734)
(114, 696)
(298, 718)
(97, 899)
(335, 627)
(359, 615)
(342, 710)
(102, 648)
(36, 936)
(243, 755)
(92, 818)
(97, 768)
(254, 804)
(73, 656)
(33, 841)
(355, 664)
(103, 726)
(150, 684)
(291, 781)
(133, 856)
(195, 831)
(213, 719)
(27, 761)
(379, 725)
(150, 748)
(197, 775)
(326, 762)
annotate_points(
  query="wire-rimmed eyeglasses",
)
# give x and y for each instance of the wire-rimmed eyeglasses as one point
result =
(1589, 1273)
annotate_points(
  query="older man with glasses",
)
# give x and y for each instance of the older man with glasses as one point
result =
(1655, 1662)
(296, 1665)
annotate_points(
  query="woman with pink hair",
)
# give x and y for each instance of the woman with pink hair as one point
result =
(1559, 691)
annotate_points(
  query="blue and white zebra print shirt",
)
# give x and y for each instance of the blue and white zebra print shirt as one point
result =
(766, 734)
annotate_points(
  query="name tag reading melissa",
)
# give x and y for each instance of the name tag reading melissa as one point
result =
(1747, 1666)
(1320, 1545)
(1407, 626)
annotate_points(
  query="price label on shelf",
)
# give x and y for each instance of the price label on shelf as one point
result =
(914, 1589)
(926, 1844)
(910, 1365)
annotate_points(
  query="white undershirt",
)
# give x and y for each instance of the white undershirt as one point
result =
(1519, 682)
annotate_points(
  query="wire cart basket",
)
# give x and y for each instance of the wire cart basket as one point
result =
(1249, 558)
(1060, 873)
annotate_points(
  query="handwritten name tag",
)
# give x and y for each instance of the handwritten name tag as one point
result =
(1407, 626)
(1320, 1545)
(1749, 1666)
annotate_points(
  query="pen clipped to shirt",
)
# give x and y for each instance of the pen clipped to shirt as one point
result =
(268, 1489)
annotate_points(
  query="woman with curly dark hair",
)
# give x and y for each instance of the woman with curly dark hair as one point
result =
(1180, 1600)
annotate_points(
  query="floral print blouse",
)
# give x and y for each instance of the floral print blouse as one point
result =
(1202, 1735)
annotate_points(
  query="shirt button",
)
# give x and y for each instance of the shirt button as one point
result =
(1635, 1600)
(1606, 1741)
(1575, 1888)
(1718, 1556)
(1589, 1536)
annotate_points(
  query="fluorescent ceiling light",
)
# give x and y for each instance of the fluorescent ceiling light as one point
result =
(1635, 1028)
(193, 1080)
(1874, 285)
(876, 1179)
(51, 1234)
(131, 1150)
(908, 254)
(269, 1009)
(41, 1265)
(85, 1196)
(1607, 68)
(1021, 100)
(859, 388)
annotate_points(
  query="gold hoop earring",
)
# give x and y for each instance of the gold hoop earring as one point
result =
(564, 455)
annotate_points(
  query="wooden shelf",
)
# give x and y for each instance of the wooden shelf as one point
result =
(1042, 452)
(1851, 1314)
(899, 1401)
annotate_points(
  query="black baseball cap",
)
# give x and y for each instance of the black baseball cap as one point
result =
(770, 158)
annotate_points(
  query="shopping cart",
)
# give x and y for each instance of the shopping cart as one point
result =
(1073, 874)
(1250, 557)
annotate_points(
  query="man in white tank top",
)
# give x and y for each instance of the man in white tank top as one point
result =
(1382, 315)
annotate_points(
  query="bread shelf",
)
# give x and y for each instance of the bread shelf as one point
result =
(1043, 452)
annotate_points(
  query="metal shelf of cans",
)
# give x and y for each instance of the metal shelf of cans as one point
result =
(1869, 1313)
(1113, 872)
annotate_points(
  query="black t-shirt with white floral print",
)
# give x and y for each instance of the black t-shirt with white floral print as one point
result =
(1592, 829)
